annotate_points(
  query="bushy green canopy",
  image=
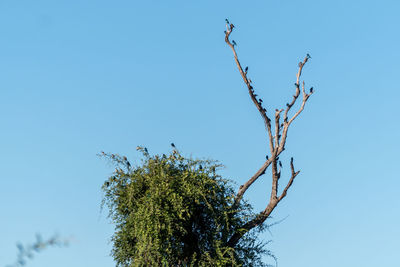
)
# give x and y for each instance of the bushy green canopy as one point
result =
(176, 211)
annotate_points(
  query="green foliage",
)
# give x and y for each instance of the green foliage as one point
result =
(176, 211)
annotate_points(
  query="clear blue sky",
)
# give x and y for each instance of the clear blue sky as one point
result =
(79, 77)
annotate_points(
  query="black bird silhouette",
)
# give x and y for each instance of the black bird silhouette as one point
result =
(227, 21)
(128, 164)
(200, 167)
(308, 56)
(280, 164)
(233, 42)
(260, 100)
(311, 89)
(266, 157)
(246, 69)
(173, 145)
(145, 150)
(287, 104)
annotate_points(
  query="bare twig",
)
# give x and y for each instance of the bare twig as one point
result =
(276, 142)
(256, 102)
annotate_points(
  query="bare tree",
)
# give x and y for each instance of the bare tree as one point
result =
(277, 135)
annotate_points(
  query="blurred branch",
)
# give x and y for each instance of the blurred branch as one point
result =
(28, 251)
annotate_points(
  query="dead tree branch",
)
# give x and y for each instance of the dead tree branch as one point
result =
(276, 141)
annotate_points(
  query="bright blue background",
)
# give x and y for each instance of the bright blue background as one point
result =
(79, 77)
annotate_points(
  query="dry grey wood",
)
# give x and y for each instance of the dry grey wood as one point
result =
(276, 142)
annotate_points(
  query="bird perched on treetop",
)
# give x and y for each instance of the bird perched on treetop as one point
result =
(173, 145)
(233, 42)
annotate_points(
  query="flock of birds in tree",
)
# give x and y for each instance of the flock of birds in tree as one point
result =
(246, 69)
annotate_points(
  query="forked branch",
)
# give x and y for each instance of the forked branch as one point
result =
(276, 141)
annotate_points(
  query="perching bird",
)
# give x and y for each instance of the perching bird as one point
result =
(246, 69)
(234, 43)
(227, 21)
(260, 100)
(173, 145)
(128, 164)
(311, 89)
(200, 167)
(266, 157)
(287, 104)
(308, 56)
(280, 164)
(145, 150)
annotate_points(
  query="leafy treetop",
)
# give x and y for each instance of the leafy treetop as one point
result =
(176, 211)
